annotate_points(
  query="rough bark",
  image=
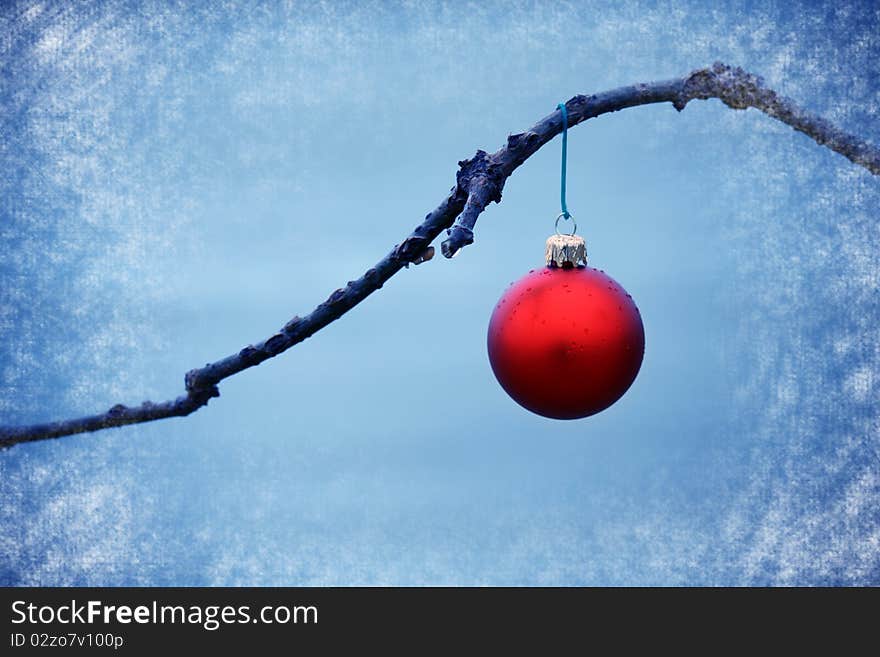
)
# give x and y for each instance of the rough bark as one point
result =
(480, 180)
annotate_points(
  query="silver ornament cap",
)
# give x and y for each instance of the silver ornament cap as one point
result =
(565, 251)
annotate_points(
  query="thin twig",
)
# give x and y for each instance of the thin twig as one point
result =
(480, 180)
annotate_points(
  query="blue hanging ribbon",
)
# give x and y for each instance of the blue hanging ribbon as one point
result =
(561, 106)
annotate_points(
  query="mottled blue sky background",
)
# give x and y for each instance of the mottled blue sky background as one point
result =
(179, 179)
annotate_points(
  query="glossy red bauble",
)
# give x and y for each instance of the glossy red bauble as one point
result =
(566, 343)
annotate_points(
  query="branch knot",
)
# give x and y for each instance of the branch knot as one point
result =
(481, 178)
(734, 86)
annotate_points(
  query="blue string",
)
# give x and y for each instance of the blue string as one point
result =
(561, 106)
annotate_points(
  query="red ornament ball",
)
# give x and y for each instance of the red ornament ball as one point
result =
(566, 342)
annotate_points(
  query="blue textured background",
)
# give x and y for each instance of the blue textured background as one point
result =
(177, 181)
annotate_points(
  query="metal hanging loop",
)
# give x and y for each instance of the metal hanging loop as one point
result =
(567, 217)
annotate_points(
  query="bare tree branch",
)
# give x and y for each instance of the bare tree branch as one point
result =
(480, 180)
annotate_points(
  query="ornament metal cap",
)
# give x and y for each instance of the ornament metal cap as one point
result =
(565, 251)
